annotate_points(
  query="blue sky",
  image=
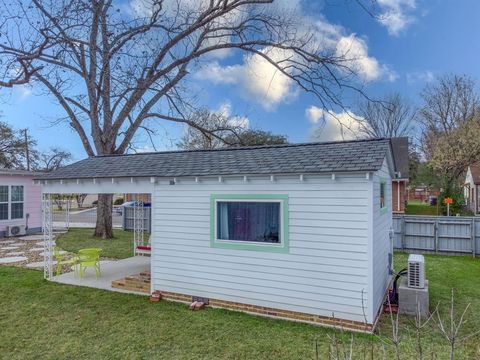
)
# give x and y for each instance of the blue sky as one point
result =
(404, 50)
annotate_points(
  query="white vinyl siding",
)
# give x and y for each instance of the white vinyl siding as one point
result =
(381, 244)
(325, 270)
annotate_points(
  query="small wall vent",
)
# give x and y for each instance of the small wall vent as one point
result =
(200, 299)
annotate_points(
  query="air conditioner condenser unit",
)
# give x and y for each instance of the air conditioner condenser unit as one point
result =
(416, 271)
(16, 230)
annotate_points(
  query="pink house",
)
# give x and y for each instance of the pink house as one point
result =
(20, 203)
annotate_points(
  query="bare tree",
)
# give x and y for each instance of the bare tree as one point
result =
(449, 101)
(389, 117)
(114, 67)
(224, 131)
(53, 159)
(211, 131)
(449, 119)
(80, 198)
(451, 153)
(12, 147)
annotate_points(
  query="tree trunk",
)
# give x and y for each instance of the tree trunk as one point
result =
(104, 227)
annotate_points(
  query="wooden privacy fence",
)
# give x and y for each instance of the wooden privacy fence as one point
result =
(437, 234)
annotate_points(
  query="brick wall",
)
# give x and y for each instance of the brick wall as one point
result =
(402, 184)
(139, 197)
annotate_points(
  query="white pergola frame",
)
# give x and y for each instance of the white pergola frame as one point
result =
(47, 236)
(138, 227)
(89, 186)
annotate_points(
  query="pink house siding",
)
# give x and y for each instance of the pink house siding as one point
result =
(32, 200)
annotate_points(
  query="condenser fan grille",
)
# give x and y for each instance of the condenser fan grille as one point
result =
(414, 275)
(15, 230)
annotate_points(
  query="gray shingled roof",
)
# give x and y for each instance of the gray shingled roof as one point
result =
(351, 156)
(12, 172)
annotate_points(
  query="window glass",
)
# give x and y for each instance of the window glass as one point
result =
(3, 194)
(17, 193)
(248, 221)
(382, 195)
(3, 211)
(17, 211)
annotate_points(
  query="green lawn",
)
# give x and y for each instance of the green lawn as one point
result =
(43, 320)
(120, 247)
(420, 208)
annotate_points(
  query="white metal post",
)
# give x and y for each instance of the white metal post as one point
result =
(138, 224)
(134, 224)
(67, 213)
(47, 236)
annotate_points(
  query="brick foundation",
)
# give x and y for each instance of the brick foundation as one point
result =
(141, 283)
(138, 282)
(272, 312)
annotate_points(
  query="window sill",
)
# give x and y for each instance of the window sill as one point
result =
(245, 245)
(19, 219)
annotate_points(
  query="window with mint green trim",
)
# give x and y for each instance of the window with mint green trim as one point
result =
(249, 222)
(383, 195)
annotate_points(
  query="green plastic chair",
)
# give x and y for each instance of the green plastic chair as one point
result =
(63, 260)
(89, 258)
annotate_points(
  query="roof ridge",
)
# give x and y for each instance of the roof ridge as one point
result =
(250, 147)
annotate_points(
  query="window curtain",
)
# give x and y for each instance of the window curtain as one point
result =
(223, 218)
(249, 221)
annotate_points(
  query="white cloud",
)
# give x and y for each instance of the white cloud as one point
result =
(396, 14)
(332, 126)
(225, 109)
(217, 74)
(420, 76)
(355, 50)
(258, 79)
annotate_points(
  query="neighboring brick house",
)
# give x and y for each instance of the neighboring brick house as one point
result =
(400, 182)
(137, 197)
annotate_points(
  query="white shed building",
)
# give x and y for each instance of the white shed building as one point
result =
(295, 231)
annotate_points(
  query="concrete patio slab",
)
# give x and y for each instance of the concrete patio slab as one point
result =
(9, 247)
(110, 271)
(12, 259)
(30, 237)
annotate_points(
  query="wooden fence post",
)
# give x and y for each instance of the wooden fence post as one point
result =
(403, 229)
(435, 236)
(474, 238)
